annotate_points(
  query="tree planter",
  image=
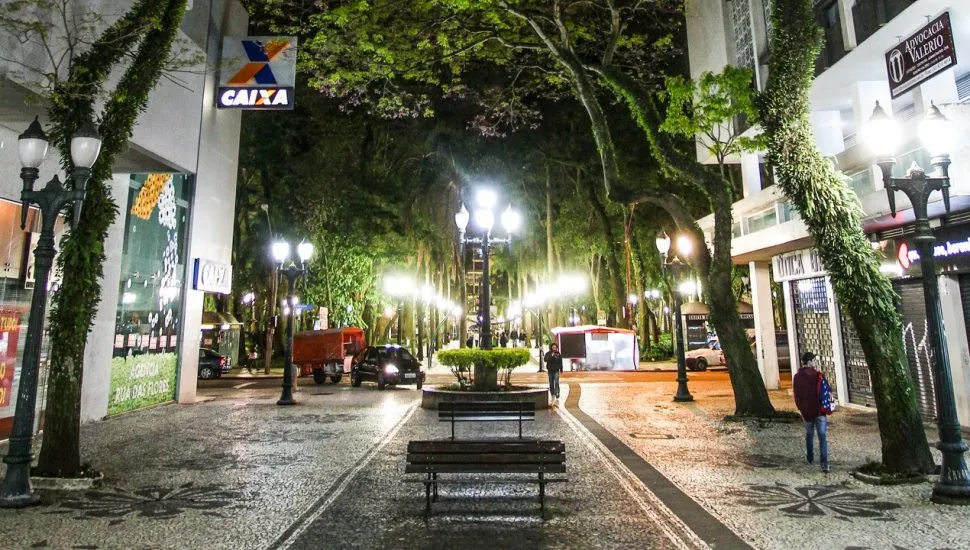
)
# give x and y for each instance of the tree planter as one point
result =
(873, 479)
(83, 483)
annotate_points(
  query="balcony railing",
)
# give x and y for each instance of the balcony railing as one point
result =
(869, 15)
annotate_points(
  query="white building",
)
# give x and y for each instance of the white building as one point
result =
(851, 76)
(175, 190)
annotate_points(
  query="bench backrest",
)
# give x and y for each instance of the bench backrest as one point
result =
(486, 457)
(486, 410)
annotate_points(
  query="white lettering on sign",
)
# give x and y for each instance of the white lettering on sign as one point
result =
(921, 56)
(212, 276)
(943, 250)
(255, 98)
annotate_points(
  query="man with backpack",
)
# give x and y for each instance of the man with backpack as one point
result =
(813, 397)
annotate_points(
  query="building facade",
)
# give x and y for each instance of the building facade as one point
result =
(769, 237)
(175, 191)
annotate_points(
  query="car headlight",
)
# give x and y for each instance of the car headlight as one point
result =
(390, 369)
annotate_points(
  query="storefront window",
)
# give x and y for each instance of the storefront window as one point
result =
(145, 360)
(16, 290)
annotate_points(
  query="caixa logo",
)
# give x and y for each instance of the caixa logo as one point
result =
(255, 98)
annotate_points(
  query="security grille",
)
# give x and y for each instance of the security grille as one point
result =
(856, 369)
(917, 345)
(813, 327)
(743, 41)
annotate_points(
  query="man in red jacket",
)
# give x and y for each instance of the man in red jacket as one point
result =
(806, 389)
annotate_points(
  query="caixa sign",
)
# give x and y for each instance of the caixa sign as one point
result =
(255, 98)
(212, 277)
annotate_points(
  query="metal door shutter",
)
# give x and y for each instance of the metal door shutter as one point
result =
(813, 327)
(856, 369)
(917, 345)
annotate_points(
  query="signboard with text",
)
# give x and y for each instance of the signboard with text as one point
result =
(212, 276)
(257, 73)
(951, 250)
(797, 265)
(921, 56)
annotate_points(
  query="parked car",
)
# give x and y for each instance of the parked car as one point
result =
(387, 365)
(713, 356)
(212, 364)
(701, 358)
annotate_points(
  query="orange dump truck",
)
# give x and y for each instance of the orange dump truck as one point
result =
(322, 353)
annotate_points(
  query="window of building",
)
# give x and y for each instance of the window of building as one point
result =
(147, 327)
(963, 87)
(860, 181)
(785, 212)
(905, 161)
(743, 39)
(762, 220)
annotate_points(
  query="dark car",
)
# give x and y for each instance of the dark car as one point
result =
(388, 365)
(212, 364)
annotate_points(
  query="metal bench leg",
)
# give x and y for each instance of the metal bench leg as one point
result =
(452, 427)
(434, 476)
(427, 497)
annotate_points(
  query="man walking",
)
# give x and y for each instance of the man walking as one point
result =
(553, 362)
(807, 387)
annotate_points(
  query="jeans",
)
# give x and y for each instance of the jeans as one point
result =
(817, 425)
(554, 383)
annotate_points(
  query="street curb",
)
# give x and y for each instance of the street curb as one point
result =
(694, 516)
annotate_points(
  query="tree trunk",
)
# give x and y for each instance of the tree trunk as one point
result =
(612, 262)
(831, 212)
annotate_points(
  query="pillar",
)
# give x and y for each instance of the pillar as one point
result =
(956, 343)
(827, 128)
(764, 323)
(750, 174)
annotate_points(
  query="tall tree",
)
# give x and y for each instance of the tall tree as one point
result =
(832, 214)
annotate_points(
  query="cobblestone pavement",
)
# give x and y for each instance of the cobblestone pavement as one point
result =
(238, 472)
(754, 477)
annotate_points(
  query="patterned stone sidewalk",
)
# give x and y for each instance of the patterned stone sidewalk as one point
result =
(754, 478)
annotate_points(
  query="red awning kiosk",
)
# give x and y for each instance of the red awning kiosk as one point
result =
(592, 347)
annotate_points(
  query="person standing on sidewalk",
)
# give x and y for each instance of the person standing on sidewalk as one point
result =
(807, 387)
(553, 361)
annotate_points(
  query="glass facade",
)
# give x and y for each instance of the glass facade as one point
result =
(147, 328)
(16, 289)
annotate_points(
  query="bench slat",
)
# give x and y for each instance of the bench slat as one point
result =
(431, 447)
(486, 468)
(489, 418)
(487, 458)
(487, 405)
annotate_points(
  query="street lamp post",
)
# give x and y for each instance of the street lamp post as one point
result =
(953, 485)
(281, 251)
(677, 269)
(51, 200)
(485, 219)
(398, 286)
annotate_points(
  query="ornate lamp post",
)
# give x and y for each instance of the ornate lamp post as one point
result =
(51, 200)
(399, 286)
(485, 219)
(953, 486)
(677, 269)
(281, 252)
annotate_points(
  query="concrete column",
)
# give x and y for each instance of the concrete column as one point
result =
(835, 324)
(848, 24)
(940, 89)
(750, 174)
(793, 351)
(764, 323)
(865, 94)
(827, 128)
(956, 343)
(96, 384)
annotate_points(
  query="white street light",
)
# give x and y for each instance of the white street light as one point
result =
(510, 219)
(663, 243)
(388, 312)
(688, 287)
(32, 145)
(936, 132)
(85, 145)
(485, 218)
(456, 311)
(633, 299)
(881, 133)
(461, 218)
(486, 198)
(281, 250)
(685, 246)
(304, 250)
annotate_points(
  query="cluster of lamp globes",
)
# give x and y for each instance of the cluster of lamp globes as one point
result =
(685, 247)
(281, 252)
(402, 286)
(567, 284)
(486, 200)
(884, 135)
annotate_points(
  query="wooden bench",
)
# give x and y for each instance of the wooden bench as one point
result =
(487, 411)
(431, 458)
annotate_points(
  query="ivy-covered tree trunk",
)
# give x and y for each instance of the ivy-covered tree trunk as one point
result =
(82, 251)
(832, 213)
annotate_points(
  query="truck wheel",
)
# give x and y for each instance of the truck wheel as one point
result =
(701, 365)
(319, 377)
(380, 381)
(355, 378)
(335, 378)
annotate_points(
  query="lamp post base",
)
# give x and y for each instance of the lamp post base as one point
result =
(19, 501)
(286, 401)
(683, 398)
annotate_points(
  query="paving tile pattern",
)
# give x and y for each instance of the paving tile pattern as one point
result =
(753, 476)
